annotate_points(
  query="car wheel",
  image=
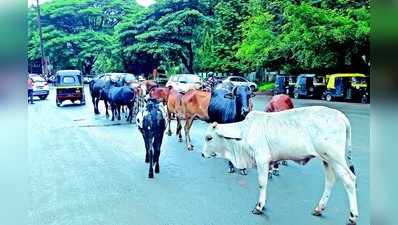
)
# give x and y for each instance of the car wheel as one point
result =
(329, 98)
(296, 95)
(42, 97)
(252, 88)
(364, 99)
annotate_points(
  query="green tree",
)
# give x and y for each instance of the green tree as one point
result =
(78, 32)
(166, 32)
(304, 36)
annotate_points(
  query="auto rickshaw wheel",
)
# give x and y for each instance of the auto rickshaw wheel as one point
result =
(364, 99)
(329, 98)
(58, 103)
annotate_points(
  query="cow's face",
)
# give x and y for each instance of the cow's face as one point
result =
(218, 142)
(243, 95)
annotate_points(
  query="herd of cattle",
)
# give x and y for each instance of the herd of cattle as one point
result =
(244, 137)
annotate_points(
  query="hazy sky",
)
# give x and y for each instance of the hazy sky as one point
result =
(141, 2)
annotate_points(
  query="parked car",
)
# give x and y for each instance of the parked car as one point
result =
(310, 86)
(284, 84)
(237, 80)
(347, 86)
(184, 82)
(40, 86)
(69, 86)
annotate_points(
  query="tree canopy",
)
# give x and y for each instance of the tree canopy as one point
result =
(204, 35)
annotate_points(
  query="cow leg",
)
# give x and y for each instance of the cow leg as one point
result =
(112, 112)
(188, 124)
(262, 168)
(179, 128)
(95, 104)
(349, 180)
(150, 173)
(106, 109)
(330, 178)
(275, 169)
(168, 122)
(231, 167)
(156, 159)
(118, 111)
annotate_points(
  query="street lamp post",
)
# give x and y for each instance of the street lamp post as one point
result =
(43, 60)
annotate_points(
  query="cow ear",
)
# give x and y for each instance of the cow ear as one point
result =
(229, 132)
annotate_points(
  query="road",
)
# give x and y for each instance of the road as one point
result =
(85, 169)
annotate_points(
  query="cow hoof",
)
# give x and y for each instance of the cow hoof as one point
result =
(157, 170)
(146, 160)
(150, 175)
(275, 172)
(316, 212)
(169, 133)
(256, 211)
(269, 175)
(96, 112)
(179, 139)
(284, 162)
(231, 170)
(243, 172)
(351, 222)
(190, 148)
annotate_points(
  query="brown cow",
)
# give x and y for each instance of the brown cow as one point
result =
(160, 93)
(194, 104)
(174, 106)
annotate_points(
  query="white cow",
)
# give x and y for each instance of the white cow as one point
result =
(297, 134)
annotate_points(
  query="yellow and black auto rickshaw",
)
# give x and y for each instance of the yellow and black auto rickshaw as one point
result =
(347, 86)
(69, 86)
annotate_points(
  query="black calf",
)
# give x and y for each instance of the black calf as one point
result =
(152, 124)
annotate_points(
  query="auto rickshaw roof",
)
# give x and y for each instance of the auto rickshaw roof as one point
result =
(68, 73)
(332, 77)
(345, 75)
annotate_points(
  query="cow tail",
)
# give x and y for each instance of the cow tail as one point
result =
(348, 145)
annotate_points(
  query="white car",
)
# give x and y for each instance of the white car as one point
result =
(40, 87)
(236, 80)
(184, 82)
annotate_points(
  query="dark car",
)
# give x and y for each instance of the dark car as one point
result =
(69, 86)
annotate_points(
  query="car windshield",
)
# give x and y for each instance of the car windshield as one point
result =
(69, 72)
(68, 80)
(190, 78)
(129, 78)
(358, 80)
(37, 79)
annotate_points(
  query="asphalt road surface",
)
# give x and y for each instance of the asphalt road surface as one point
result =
(86, 169)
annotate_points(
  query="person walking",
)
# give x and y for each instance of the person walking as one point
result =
(30, 90)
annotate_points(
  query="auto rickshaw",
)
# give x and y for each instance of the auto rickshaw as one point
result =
(310, 86)
(347, 86)
(284, 84)
(69, 86)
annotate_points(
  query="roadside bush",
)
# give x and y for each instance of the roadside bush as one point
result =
(266, 86)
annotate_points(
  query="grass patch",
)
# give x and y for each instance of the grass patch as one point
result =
(266, 86)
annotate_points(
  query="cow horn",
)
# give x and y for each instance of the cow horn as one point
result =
(214, 125)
